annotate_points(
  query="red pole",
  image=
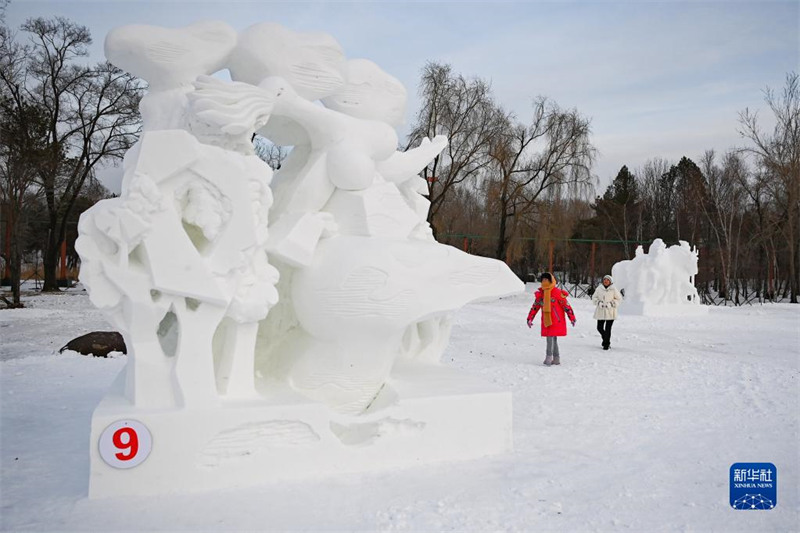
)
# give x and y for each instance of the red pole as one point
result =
(552, 245)
(594, 248)
(466, 244)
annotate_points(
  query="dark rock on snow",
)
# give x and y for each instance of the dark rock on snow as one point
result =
(97, 343)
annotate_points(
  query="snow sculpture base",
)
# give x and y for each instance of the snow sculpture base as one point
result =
(425, 414)
(662, 310)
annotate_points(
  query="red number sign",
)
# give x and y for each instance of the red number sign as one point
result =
(125, 443)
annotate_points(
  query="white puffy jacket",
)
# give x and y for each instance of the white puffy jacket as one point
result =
(606, 301)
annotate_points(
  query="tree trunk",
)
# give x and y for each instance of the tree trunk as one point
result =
(14, 258)
(794, 249)
(796, 273)
(792, 271)
(500, 251)
(15, 270)
(50, 262)
(760, 282)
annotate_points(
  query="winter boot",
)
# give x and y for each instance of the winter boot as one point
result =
(556, 359)
(548, 360)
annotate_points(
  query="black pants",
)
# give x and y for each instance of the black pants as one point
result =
(604, 327)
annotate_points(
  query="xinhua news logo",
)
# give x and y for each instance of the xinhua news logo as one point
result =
(754, 486)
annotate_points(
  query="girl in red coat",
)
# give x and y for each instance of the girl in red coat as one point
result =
(553, 302)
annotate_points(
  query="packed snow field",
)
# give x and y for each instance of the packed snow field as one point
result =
(640, 437)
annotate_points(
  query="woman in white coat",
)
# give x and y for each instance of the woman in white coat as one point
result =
(606, 298)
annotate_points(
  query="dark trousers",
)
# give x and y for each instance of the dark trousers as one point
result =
(604, 327)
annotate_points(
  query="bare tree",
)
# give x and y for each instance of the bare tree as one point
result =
(765, 230)
(552, 151)
(90, 112)
(648, 179)
(778, 153)
(22, 132)
(269, 152)
(18, 187)
(465, 112)
(724, 210)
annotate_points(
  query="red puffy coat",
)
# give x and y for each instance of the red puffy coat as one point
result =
(558, 307)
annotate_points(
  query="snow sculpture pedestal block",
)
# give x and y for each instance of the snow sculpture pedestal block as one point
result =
(434, 414)
(664, 310)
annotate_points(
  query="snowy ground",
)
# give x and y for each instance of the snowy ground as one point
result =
(639, 438)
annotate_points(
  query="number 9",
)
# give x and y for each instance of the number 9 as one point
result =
(132, 443)
(125, 444)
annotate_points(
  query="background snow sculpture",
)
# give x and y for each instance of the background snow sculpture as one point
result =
(660, 282)
(308, 318)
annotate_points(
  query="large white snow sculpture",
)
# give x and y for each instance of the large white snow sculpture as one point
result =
(287, 338)
(661, 282)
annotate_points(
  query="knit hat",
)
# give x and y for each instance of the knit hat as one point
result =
(609, 278)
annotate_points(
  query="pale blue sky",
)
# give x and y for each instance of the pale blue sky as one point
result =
(658, 79)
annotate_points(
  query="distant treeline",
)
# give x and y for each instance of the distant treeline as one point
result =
(521, 193)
